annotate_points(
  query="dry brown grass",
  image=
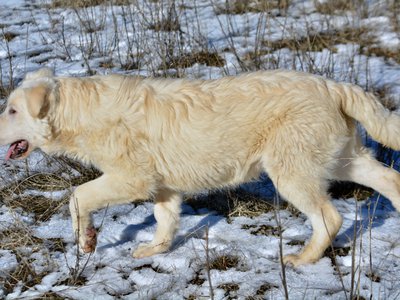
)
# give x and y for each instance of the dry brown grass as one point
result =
(74, 281)
(319, 41)
(266, 54)
(263, 229)
(239, 7)
(374, 277)
(87, 3)
(197, 279)
(8, 36)
(51, 296)
(43, 208)
(55, 244)
(224, 262)
(230, 289)
(346, 190)
(149, 266)
(4, 92)
(41, 182)
(386, 53)
(261, 291)
(20, 240)
(334, 252)
(24, 273)
(363, 36)
(394, 8)
(18, 237)
(386, 98)
(167, 24)
(107, 64)
(251, 207)
(233, 204)
(333, 7)
(25, 194)
(211, 59)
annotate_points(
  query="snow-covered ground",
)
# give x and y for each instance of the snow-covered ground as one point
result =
(236, 257)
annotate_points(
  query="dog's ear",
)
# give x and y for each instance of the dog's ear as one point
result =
(37, 98)
(41, 73)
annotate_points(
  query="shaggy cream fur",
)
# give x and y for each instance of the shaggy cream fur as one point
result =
(162, 137)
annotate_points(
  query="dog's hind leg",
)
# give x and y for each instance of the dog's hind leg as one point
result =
(166, 211)
(299, 175)
(310, 197)
(364, 169)
(99, 193)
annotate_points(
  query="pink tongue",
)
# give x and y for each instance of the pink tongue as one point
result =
(11, 150)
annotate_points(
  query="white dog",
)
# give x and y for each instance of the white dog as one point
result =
(160, 137)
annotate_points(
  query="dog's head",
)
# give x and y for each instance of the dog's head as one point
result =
(24, 123)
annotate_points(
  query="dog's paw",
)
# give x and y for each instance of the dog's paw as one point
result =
(293, 260)
(145, 250)
(89, 241)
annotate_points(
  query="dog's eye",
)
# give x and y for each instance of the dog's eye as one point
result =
(12, 111)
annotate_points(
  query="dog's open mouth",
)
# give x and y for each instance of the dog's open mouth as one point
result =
(17, 149)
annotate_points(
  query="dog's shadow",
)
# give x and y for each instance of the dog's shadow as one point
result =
(129, 234)
(377, 204)
(371, 214)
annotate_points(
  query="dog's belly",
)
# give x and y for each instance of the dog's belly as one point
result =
(193, 178)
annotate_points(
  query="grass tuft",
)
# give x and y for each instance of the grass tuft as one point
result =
(21, 242)
(86, 3)
(387, 54)
(74, 281)
(347, 190)
(232, 203)
(332, 252)
(8, 36)
(211, 59)
(334, 7)
(224, 262)
(41, 207)
(239, 7)
(197, 280)
(24, 273)
(265, 287)
(373, 277)
(18, 237)
(318, 41)
(230, 289)
(263, 229)
(166, 25)
(149, 266)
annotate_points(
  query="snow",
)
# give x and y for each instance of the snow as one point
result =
(165, 276)
(54, 38)
(8, 261)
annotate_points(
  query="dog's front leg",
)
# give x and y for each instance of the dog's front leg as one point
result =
(166, 211)
(99, 193)
(82, 225)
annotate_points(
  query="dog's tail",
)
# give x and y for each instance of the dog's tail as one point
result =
(382, 124)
